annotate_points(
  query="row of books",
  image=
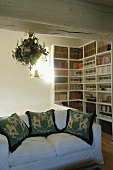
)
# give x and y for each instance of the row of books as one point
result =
(104, 69)
(76, 73)
(61, 64)
(105, 108)
(105, 78)
(77, 105)
(61, 87)
(90, 107)
(91, 87)
(76, 53)
(61, 72)
(62, 52)
(105, 87)
(90, 46)
(76, 50)
(76, 87)
(103, 60)
(76, 56)
(103, 48)
(90, 79)
(76, 80)
(61, 80)
(89, 53)
(90, 71)
(91, 97)
(61, 96)
(76, 95)
(59, 49)
(76, 65)
(105, 99)
(89, 64)
(61, 55)
(90, 49)
(72, 87)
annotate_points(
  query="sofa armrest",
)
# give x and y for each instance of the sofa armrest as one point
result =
(4, 153)
(97, 142)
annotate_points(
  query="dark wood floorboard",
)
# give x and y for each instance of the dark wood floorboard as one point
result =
(107, 149)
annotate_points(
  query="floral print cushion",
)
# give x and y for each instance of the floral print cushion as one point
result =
(15, 130)
(42, 123)
(80, 124)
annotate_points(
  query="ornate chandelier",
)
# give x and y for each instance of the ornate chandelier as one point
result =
(29, 51)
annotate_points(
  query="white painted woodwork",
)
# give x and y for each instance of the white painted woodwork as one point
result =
(87, 19)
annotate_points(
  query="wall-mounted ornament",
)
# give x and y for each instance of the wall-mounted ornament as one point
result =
(29, 51)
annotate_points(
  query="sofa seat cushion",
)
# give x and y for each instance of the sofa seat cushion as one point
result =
(32, 149)
(66, 143)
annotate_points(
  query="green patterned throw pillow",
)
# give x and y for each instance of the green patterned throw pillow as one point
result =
(15, 130)
(80, 124)
(42, 123)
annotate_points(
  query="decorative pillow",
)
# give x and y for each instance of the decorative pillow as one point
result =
(80, 124)
(15, 130)
(42, 123)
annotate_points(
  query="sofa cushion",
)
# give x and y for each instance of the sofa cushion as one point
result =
(14, 129)
(42, 123)
(65, 143)
(80, 124)
(32, 149)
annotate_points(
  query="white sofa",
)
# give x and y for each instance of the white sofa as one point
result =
(55, 151)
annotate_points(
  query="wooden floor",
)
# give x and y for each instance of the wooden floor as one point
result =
(107, 149)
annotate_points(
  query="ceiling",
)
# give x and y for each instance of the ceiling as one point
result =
(108, 3)
(91, 19)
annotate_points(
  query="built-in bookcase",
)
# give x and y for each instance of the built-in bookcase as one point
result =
(68, 76)
(83, 78)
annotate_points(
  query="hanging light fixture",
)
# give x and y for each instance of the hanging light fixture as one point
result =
(29, 51)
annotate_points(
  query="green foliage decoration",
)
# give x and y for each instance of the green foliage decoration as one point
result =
(29, 51)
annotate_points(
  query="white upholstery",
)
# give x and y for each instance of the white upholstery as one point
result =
(24, 117)
(65, 143)
(57, 162)
(60, 118)
(97, 142)
(32, 150)
(4, 153)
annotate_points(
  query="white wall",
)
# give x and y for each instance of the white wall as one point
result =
(19, 92)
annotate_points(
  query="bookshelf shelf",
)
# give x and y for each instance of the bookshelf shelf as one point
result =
(89, 101)
(104, 103)
(103, 53)
(104, 91)
(104, 118)
(103, 65)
